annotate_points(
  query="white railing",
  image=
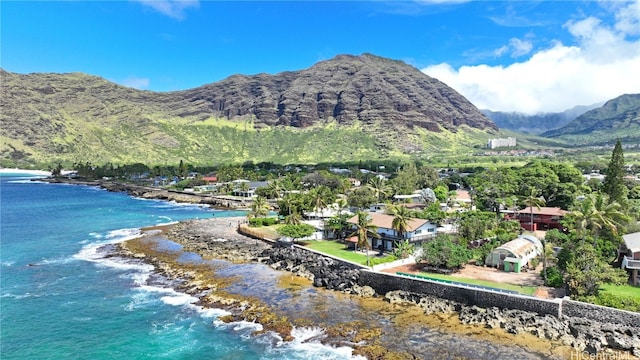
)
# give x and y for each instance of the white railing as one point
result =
(630, 263)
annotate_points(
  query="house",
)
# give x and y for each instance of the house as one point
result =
(544, 218)
(515, 254)
(630, 250)
(418, 231)
(246, 188)
(205, 188)
(461, 201)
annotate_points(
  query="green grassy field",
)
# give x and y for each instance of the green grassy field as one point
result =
(621, 290)
(525, 290)
(339, 250)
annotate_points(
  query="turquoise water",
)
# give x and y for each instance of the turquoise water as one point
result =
(61, 298)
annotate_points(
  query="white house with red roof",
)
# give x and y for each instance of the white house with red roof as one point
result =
(418, 231)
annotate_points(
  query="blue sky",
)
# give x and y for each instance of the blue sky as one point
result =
(510, 56)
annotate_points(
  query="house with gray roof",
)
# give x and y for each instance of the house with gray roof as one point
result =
(630, 253)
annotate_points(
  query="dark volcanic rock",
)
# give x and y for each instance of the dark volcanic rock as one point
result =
(347, 88)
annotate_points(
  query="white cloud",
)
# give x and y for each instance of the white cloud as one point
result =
(602, 65)
(135, 82)
(172, 8)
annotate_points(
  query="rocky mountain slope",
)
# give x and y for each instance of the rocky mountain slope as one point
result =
(349, 107)
(618, 118)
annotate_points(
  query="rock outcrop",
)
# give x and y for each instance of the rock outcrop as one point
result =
(585, 335)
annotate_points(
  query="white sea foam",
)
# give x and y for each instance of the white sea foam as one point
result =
(5, 171)
(306, 340)
(210, 312)
(7, 263)
(179, 299)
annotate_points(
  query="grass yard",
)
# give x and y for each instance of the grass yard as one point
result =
(525, 290)
(621, 290)
(339, 250)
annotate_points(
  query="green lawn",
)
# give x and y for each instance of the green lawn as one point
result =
(339, 250)
(622, 290)
(526, 290)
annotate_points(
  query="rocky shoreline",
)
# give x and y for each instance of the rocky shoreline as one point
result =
(218, 238)
(146, 192)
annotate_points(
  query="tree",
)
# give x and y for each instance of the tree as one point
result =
(361, 198)
(364, 230)
(338, 224)
(183, 169)
(273, 189)
(533, 200)
(595, 213)
(259, 207)
(379, 187)
(428, 196)
(613, 184)
(444, 252)
(401, 218)
(293, 218)
(587, 272)
(296, 231)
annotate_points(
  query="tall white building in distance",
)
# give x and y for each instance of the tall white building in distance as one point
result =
(496, 143)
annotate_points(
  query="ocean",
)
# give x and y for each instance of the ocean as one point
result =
(63, 297)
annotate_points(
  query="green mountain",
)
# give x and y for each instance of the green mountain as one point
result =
(616, 119)
(343, 109)
(537, 123)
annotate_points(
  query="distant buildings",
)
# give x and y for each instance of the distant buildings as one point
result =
(496, 143)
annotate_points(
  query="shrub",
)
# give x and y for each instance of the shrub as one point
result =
(554, 278)
(255, 222)
(268, 221)
(381, 260)
(534, 262)
(622, 302)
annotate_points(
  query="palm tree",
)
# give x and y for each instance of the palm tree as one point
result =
(595, 213)
(293, 218)
(259, 207)
(318, 198)
(533, 200)
(401, 218)
(364, 230)
(379, 186)
(274, 189)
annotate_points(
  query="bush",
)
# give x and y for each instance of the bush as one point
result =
(622, 302)
(554, 278)
(268, 221)
(381, 260)
(534, 262)
(262, 221)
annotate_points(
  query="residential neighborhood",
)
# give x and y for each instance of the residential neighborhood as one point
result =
(543, 225)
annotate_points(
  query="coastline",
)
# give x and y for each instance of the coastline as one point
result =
(203, 237)
(546, 335)
(149, 192)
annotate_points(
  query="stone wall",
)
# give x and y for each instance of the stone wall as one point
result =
(601, 314)
(383, 283)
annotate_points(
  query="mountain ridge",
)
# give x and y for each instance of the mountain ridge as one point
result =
(384, 107)
(618, 118)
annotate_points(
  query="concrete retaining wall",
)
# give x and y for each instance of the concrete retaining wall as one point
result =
(383, 283)
(408, 261)
(599, 313)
